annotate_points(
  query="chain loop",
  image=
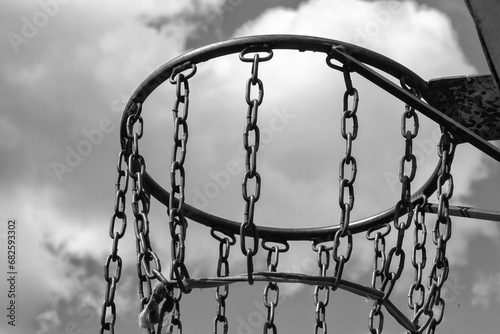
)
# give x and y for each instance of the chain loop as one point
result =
(254, 103)
(348, 160)
(131, 121)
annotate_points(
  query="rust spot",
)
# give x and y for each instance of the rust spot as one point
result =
(473, 101)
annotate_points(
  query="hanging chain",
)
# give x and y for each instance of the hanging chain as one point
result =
(379, 254)
(344, 183)
(379, 264)
(418, 257)
(434, 305)
(388, 277)
(222, 292)
(271, 304)
(248, 228)
(140, 209)
(121, 188)
(404, 204)
(177, 221)
(321, 304)
(409, 132)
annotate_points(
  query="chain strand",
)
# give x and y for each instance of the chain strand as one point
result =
(404, 205)
(348, 113)
(434, 305)
(140, 209)
(418, 258)
(222, 292)
(248, 228)
(271, 304)
(379, 264)
(321, 304)
(121, 188)
(177, 221)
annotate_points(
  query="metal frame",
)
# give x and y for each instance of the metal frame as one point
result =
(486, 14)
(357, 59)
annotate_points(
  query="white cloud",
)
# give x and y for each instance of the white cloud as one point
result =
(486, 289)
(48, 322)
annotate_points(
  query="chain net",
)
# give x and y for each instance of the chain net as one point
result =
(160, 297)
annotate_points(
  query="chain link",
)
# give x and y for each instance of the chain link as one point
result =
(248, 228)
(346, 185)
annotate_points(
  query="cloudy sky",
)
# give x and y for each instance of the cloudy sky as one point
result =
(68, 68)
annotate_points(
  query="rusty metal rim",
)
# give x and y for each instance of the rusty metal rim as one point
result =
(286, 42)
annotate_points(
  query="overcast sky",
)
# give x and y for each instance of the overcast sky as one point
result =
(67, 70)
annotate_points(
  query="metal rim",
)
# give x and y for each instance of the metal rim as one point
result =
(272, 42)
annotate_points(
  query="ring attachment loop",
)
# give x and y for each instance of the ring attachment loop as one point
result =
(256, 49)
(330, 57)
(267, 247)
(182, 68)
(230, 236)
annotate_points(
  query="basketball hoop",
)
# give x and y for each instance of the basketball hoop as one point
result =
(409, 211)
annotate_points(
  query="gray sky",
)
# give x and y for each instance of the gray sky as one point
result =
(67, 70)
